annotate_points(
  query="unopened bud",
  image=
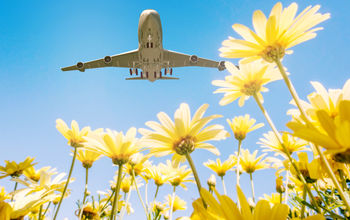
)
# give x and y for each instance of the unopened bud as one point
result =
(279, 185)
(211, 181)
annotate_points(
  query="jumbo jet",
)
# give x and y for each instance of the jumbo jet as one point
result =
(150, 57)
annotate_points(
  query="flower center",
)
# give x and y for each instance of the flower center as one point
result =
(240, 135)
(184, 145)
(251, 88)
(120, 159)
(343, 157)
(273, 53)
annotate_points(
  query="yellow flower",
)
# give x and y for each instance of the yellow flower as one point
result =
(223, 208)
(310, 171)
(292, 144)
(24, 202)
(184, 135)
(178, 175)
(242, 125)
(5, 210)
(322, 99)
(246, 81)
(158, 173)
(14, 169)
(250, 163)
(115, 145)
(221, 168)
(273, 36)
(333, 134)
(46, 182)
(3, 194)
(126, 185)
(273, 199)
(179, 204)
(138, 162)
(74, 136)
(313, 217)
(87, 157)
(34, 175)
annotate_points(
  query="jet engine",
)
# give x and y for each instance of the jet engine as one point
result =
(107, 59)
(193, 59)
(80, 66)
(221, 66)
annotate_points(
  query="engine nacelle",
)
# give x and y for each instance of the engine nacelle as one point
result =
(193, 59)
(107, 59)
(221, 66)
(80, 66)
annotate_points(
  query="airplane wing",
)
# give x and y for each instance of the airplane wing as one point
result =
(176, 59)
(120, 60)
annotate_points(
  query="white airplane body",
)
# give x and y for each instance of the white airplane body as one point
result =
(150, 56)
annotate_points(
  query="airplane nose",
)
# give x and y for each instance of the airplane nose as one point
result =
(150, 14)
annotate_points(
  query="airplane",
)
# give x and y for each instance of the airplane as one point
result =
(150, 56)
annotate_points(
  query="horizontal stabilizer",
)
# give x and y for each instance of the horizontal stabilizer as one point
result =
(136, 78)
(166, 77)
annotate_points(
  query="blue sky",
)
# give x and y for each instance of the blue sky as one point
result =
(39, 37)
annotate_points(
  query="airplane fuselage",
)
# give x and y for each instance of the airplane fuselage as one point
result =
(150, 57)
(150, 45)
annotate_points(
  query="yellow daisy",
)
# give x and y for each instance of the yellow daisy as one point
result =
(274, 35)
(273, 199)
(178, 175)
(87, 157)
(219, 167)
(333, 134)
(223, 208)
(242, 125)
(178, 204)
(292, 144)
(158, 174)
(138, 163)
(250, 163)
(14, 169)
(74, 136)
(322, 99)
(115, 145)
(183, 135)
(34, 175)
(246, 81)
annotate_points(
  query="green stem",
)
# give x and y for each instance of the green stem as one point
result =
(155, 194)
(108, 200)
(238, 161)
(66, 185)
(85, 191)
(86, 183)
(126, 204)
(303, 205)
(146, 196)
(223, 185)
(16, 184)
(287, 189)
(40, 212)
(116, 193)
(252, 185)
(281, 197)
(138, 193)
(296, 99)
(172, 204)
(47, 208)
(195, 174)
(278, 136)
